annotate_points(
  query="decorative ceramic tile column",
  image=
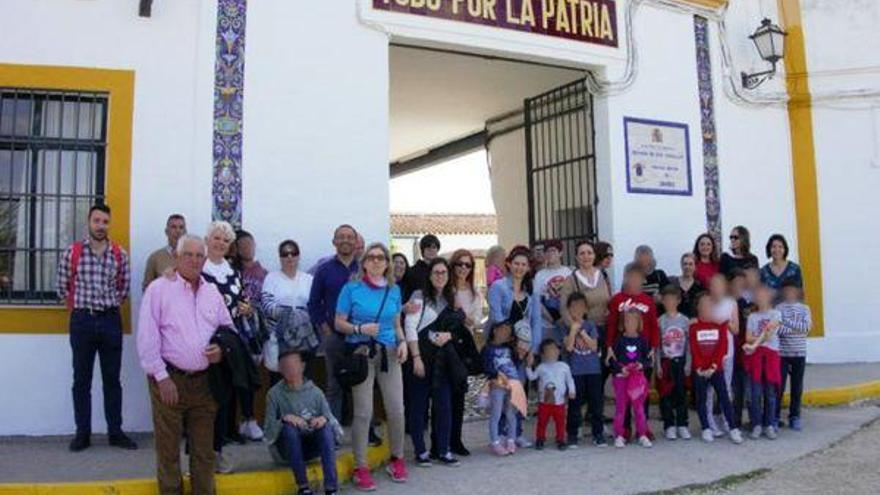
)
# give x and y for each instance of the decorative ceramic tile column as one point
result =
(707, 124)
(228, 97)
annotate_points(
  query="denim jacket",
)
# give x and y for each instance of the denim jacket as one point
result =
(500, 302)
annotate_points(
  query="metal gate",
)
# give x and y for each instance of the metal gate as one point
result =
(561, 166)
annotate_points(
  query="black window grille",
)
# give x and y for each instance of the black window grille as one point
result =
(52, 168)
(561, 166)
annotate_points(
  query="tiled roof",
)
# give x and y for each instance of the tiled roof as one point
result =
(443, 224)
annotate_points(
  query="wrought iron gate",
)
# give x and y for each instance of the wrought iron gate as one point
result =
(561, 166)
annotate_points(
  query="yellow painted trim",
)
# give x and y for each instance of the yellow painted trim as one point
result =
(712, 4)
(253, 483)
(119, 84)
(803, 161)
(839, 395)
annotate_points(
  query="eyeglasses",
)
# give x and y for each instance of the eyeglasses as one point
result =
(734, 237)
(439, 274)
(288, 254)
(462, 264)
(376, 258)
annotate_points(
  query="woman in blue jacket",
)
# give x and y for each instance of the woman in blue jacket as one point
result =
(511, 300)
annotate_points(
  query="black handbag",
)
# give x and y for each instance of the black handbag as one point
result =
(353, 370)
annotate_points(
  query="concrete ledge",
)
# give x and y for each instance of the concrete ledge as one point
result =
(280, 481)
(275, 482)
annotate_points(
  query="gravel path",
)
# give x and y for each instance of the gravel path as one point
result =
(850, 466)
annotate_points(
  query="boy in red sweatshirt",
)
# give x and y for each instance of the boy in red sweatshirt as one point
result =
(632, 297)
(708, 343)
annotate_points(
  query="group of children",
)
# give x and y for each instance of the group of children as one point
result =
(737, 348)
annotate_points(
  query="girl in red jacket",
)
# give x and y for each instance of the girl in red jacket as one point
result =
(708, 341)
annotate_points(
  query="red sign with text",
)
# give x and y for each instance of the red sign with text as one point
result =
(588, 21)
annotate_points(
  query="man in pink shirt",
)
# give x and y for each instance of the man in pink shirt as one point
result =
(177, 319)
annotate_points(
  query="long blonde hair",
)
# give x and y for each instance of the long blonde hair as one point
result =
(389, 269)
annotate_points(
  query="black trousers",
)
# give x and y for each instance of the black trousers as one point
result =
(98, 334)
(589, 392)
(793, 367)
(673, 406)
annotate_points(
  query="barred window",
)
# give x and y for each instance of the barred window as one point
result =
(52, 169)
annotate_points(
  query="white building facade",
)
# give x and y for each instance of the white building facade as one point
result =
(274, 114)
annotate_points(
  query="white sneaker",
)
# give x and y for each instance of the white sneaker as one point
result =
(523, 443)
(619, 442)
(736, 436)
(771, 433)
(645, 442)
(222, 465)
(671, 434)
(756, 433)
(684, 433)
(717, 433)
(708, 436)
(251, 430)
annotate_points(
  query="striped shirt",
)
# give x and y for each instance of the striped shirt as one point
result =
(796, 324)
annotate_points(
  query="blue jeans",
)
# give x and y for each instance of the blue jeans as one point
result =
(499, 400)
(440, 397)
(298, 447)
(100, 334)
(716, 381)
(762, 414)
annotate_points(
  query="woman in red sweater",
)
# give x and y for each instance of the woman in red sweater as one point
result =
(708, 341)
(706, 254)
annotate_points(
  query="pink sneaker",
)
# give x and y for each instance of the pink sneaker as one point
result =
(397, 470)
(363, 480)
(499, 449)
(511, 446)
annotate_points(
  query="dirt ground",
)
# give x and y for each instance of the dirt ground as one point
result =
(850, 466)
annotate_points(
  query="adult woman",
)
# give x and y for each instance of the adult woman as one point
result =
(740, 255)
(469, 300)
(368, 313)
(588, 280)
(431, 382)
(779, 268)
(511, 298)
(689, 284)
(252, 272)
(494, 265)
(655, 278)
(288, 286)
(604, 258)
(705, 259)
(401, 265)
(219, 272)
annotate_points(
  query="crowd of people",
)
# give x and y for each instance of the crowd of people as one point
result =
(362, 320)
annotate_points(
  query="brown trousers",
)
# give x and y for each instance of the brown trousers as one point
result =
(196, 408)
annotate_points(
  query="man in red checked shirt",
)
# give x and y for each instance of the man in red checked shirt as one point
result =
(93, 278)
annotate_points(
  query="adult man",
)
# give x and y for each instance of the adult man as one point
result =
(328, 281)
(358, 252)
(163, 258)
(417, 276)
(93, 278)
(548, 282)
(178, 316)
